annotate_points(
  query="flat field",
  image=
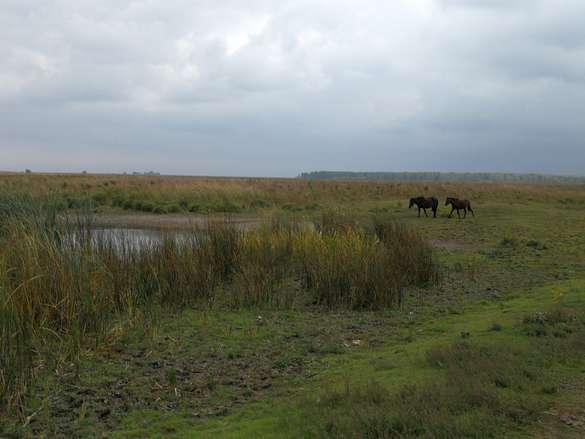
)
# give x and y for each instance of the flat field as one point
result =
(488, 342)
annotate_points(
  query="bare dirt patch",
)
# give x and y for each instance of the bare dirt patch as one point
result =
(202, 369)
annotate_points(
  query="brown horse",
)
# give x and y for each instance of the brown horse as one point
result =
(424, 204)
(457, 205)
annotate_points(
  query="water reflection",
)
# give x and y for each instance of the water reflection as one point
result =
(139, 238)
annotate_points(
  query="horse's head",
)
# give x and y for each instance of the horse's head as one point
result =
(412, 203)
(448, 200)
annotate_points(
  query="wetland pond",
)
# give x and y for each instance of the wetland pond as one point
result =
(136, 239)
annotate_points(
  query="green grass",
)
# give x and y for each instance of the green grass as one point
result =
(520, 283)
(510, 285)
(519, 370)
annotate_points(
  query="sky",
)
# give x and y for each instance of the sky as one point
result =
(275, 88)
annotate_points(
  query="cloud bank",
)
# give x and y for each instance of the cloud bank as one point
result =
(276, 88)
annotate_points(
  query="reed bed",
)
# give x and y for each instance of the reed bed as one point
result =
(63, 288)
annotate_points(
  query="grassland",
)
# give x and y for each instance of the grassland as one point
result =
(205, 195)
(491, 347)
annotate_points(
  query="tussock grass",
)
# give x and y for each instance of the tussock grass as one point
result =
(264, 270)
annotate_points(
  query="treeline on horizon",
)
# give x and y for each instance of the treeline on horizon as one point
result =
(443, 176)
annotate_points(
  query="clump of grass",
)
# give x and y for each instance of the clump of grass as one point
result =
(537, 245)
(508, 242)
(559, 322)
(412, 254)
(264, 269)
(345, 269)
(481, 392)
(496, 327)
(333, 221)
(348, 266)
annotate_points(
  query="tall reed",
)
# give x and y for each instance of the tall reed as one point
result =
(62, 287)
(264, 267)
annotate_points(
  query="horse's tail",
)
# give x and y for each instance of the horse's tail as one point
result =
(469, 208)
(435, 205)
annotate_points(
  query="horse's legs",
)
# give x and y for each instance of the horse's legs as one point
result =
(464, 213)
(424, 208)
(458, 214)
(419, 211)
(434, 213)
(452, 210)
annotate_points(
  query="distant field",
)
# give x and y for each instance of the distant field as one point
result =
(203, 195)
(370, 323)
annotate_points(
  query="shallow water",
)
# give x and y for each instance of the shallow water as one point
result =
(138, 238)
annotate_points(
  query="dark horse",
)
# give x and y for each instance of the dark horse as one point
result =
(424, 204)
(457, 205)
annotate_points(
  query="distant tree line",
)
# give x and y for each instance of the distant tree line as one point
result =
(443, 176)
(147, 173)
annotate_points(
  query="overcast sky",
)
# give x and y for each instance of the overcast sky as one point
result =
(274, 88)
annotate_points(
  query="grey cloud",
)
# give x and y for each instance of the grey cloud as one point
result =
(275, 88)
